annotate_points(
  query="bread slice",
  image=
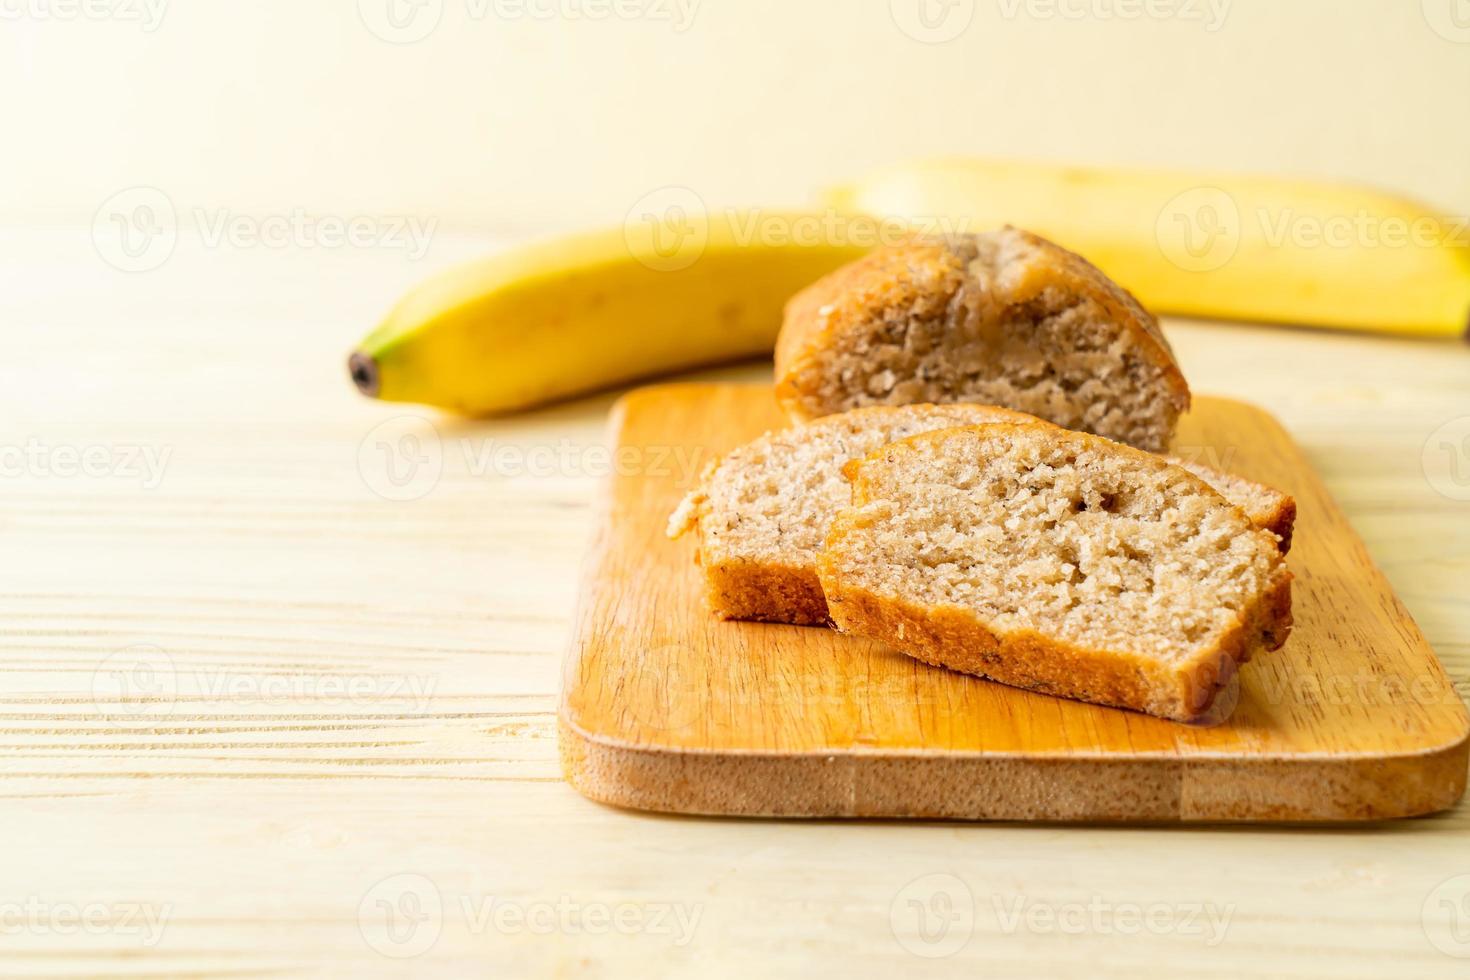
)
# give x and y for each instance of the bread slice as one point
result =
(1003, 318)
(1055, 561)
(762, 511)
(1266, 506)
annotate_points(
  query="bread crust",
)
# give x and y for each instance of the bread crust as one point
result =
(767, 592)
(1281, 521)
(920, 276)
(955, 637)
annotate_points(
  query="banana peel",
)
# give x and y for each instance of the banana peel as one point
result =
(571, 315)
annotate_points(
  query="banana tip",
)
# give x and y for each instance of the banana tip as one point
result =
(364, 371)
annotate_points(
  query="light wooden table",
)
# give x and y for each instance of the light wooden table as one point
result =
(261, 717)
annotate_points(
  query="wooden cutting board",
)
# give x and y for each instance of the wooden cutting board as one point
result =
(666, 708)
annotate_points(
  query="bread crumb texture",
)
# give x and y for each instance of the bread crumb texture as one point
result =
(763, 510)
(1057, 561)
(1266, 506)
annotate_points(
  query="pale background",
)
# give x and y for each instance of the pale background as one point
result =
(267, 815)
(504, 116)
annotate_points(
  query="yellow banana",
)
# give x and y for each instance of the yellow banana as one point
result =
(1230, 247)
(563, 317)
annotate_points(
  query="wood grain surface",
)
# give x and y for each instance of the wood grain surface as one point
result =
(280, 825)
(667, 708)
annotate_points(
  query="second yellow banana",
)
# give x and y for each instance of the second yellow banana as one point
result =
(1229, 247)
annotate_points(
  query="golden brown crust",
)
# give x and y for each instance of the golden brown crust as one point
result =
(1281, 521)
(952, 637)
(1279, 518)
(919, 274)
(765, 592)
(919, 277)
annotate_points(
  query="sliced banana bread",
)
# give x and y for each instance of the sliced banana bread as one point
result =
(1055, 561)
(1266, 506)
(762, 512)
(1002, 318)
